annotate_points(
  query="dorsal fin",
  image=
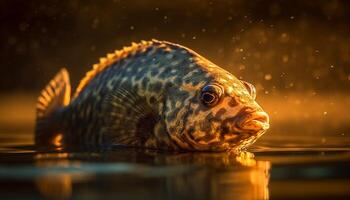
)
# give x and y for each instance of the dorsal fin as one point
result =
(110, 59)
(55, 95)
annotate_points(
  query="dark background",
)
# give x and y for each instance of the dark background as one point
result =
(297, 54)
(280, 46)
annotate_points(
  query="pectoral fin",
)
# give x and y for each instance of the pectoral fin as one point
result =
(129, 120)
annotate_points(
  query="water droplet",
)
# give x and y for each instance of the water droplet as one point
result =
(268, 77)
(285, 58)
(23, 26)
(12, 40)
(241, 67)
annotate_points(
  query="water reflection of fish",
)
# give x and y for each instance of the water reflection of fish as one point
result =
(153, 94)
(187, 175)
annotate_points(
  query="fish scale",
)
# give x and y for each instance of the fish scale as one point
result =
(152, 94)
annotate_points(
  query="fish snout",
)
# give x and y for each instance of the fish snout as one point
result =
(255, 122)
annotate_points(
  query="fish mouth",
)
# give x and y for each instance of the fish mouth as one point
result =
(247, 130)
(242, 132)
(255, 122)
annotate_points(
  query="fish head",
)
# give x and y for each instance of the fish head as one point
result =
(221, 115)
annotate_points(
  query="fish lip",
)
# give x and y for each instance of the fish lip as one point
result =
(258, 123)
(255, 121)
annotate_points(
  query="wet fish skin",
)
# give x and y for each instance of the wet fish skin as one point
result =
(150, 95)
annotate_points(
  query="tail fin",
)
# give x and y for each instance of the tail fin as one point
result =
(54, 96)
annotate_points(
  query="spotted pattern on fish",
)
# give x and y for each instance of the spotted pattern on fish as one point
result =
(154, 94)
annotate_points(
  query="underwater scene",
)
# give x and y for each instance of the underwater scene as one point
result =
(218, 99)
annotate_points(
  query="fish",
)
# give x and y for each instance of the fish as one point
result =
(154, 95)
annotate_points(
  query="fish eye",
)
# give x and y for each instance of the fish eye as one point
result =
(211, 94)
(251, 89)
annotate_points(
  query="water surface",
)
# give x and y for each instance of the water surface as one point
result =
(297, 162)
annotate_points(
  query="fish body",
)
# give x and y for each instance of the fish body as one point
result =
(153, 94)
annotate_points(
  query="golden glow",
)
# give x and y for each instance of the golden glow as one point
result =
(246, 159)
(243, 177)
(55, 187)
(43, 156)
(259, 178)
(57, 141)
(67, 91)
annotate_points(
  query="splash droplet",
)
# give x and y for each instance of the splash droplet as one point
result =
(268, 77)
